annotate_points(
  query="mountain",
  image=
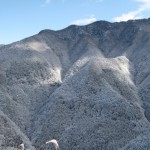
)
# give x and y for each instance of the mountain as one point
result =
(86, 86)
(1, 45)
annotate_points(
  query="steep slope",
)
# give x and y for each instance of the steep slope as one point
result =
(10, 134)
(87, 87)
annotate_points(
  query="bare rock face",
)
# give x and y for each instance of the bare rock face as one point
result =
(87, 87)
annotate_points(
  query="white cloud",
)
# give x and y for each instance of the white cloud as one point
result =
(145, 4)
(84, 21)
(137, 14)
(128, 16)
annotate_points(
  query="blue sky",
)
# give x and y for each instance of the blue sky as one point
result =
(23, 18)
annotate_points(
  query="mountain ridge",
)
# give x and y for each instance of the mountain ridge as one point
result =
(85, 86)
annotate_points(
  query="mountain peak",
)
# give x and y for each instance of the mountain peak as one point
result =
(88, 87)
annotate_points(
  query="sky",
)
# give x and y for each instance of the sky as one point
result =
(23, 18)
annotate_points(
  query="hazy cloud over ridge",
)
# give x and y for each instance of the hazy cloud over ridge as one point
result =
(136, 14)
(85, 21)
